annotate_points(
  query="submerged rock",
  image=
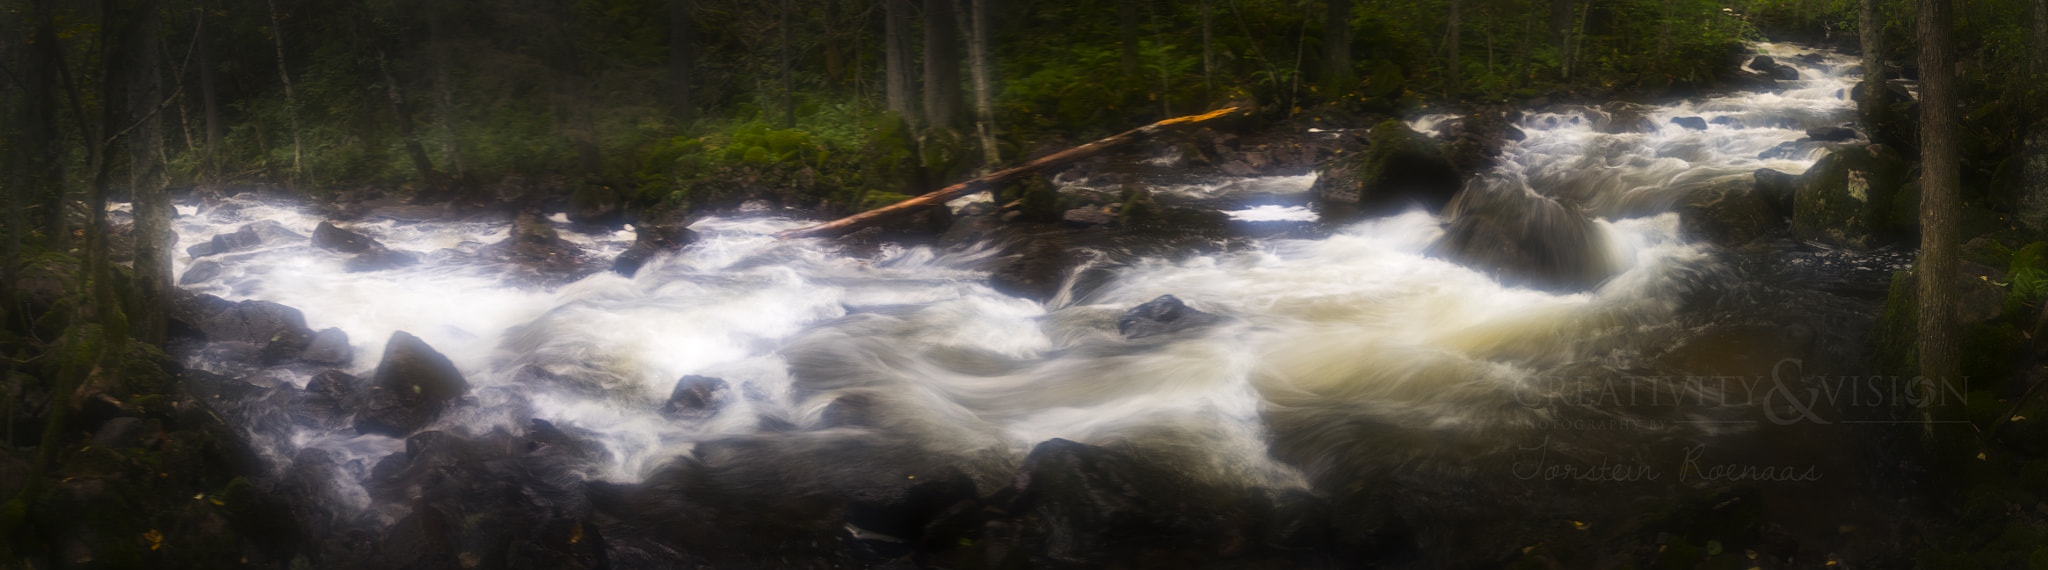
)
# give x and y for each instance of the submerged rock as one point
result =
(652, 237)
(695, 396)
(535, 245)
(1694, 123)
(329, 237)
(200, 272)
(381, 259)
(413, 384)
(1764, 64)
(1037, 270)
(279, 332)
(1622, 117)
(1831, 134)
(1524, 239)
(1166, 314)
(594, 204)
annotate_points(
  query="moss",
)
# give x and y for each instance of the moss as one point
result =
(1897, 332)
(1138, 207)
(1847, 197)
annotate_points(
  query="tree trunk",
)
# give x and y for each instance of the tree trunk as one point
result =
(1939, 195)
(902, 95)
(46, 161)
(32, 164)
(788, 52)
(1338, 79)
(857, 221)
(154, 238)
(2034, 161)
(208, 99)
(1208, 56)
(941, 65)
(1127, 35)
(406, 134)
(444, 97)
(291, 103)
(1452, 76)
(1870, 32)
(1561, 27)
(682, 58)
(976, 25)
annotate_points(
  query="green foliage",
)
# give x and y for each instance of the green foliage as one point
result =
(2028, 273)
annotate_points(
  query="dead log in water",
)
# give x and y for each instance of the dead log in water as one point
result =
(886, 213)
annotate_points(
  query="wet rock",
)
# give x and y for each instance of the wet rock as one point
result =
(1764, 64)
(200, 272)
(1694, 123)
(1166, 314)
(1087, 217)
(1524, 239)
(329, 346)
(122, 432)
(1751, 80)
(1787, 149)
(695, 396)
(497, 501)
(380, 259)
(1098, 506)
(1622, 117)
(412, 386)
(652, 237)
(279, 332)
(1846, 198)
(1778, 188)
(1400, 168)
(1725, 120)
(329, 237)
(328, 399)
(1831, 134)
(594, 204)
(1476, 139)
(1036, 271)
(1889, 116)
(1728, 213)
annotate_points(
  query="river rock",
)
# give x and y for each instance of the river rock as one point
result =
(1846, 198)
(1524, 239)
(380, 259)
(1477, 138)
(1778, 71)
(650, 238)
(329, 237)
(1890, 116)
(695, 396)
(1036, 271)
(329, 346)
(328, 400)
(1087, 217)
(122, 432)
(1728, 213)
(1400, 168)
(1622, 117)
(535, 246)
(279, 332)
(412, 386)
(1831, 134)
(1166, 314)
(1694, 123)
(200, 272)
(594, 204)
(1778, 188)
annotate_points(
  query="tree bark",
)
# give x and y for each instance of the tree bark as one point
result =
(154, 239)
(1870, 34)
(901, 94)
(941, 65)
(32, 164)
(46, 161)
(291, 103)
(1561, 27)
(1940, 197)
(682, 58)
(2034, 161)
(406, 134)
(978, 63)
(1338, 78)
(208, 99)
(1127, 35)
(864, 219)
(1453, 32)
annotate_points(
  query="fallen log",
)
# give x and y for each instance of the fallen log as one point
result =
(871, 217)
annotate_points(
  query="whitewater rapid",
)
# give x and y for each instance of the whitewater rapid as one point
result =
(1358, 323)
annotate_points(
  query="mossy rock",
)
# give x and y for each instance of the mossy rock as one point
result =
(1728, 213)
(1846, 198)
(1138, 208)
(1399, 168)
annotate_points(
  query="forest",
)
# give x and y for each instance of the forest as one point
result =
(1486, 195)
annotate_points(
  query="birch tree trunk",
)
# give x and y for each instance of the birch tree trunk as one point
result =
(976, 24)
(153, 235)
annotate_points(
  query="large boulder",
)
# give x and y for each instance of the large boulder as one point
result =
(1622, 117)
(1476, 139)
(652, 237)
(1400, 168)
(535, 245)
(1728, 213)
(1694, 123)
(1846, 198)
(595, 204)
(332, 238)
(1036, 271)
(329, 346)
(1778, 188)
(1524, 239)
(1166, 314)
(413, 384)
(1767, 66)
(279, 332)
(696, 397)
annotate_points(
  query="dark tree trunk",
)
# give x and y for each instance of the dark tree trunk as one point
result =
(153, 235)
(1870, 33)
(682, 58)
(208, 99)
(941, 65)
(1940, 199)
(32, 165)
(1337, 76)
(901, 94)
(403, 118)
(45, 161)
(2034, 162)
(1127, 35)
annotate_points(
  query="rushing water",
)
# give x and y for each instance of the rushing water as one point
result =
(1348, 356)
